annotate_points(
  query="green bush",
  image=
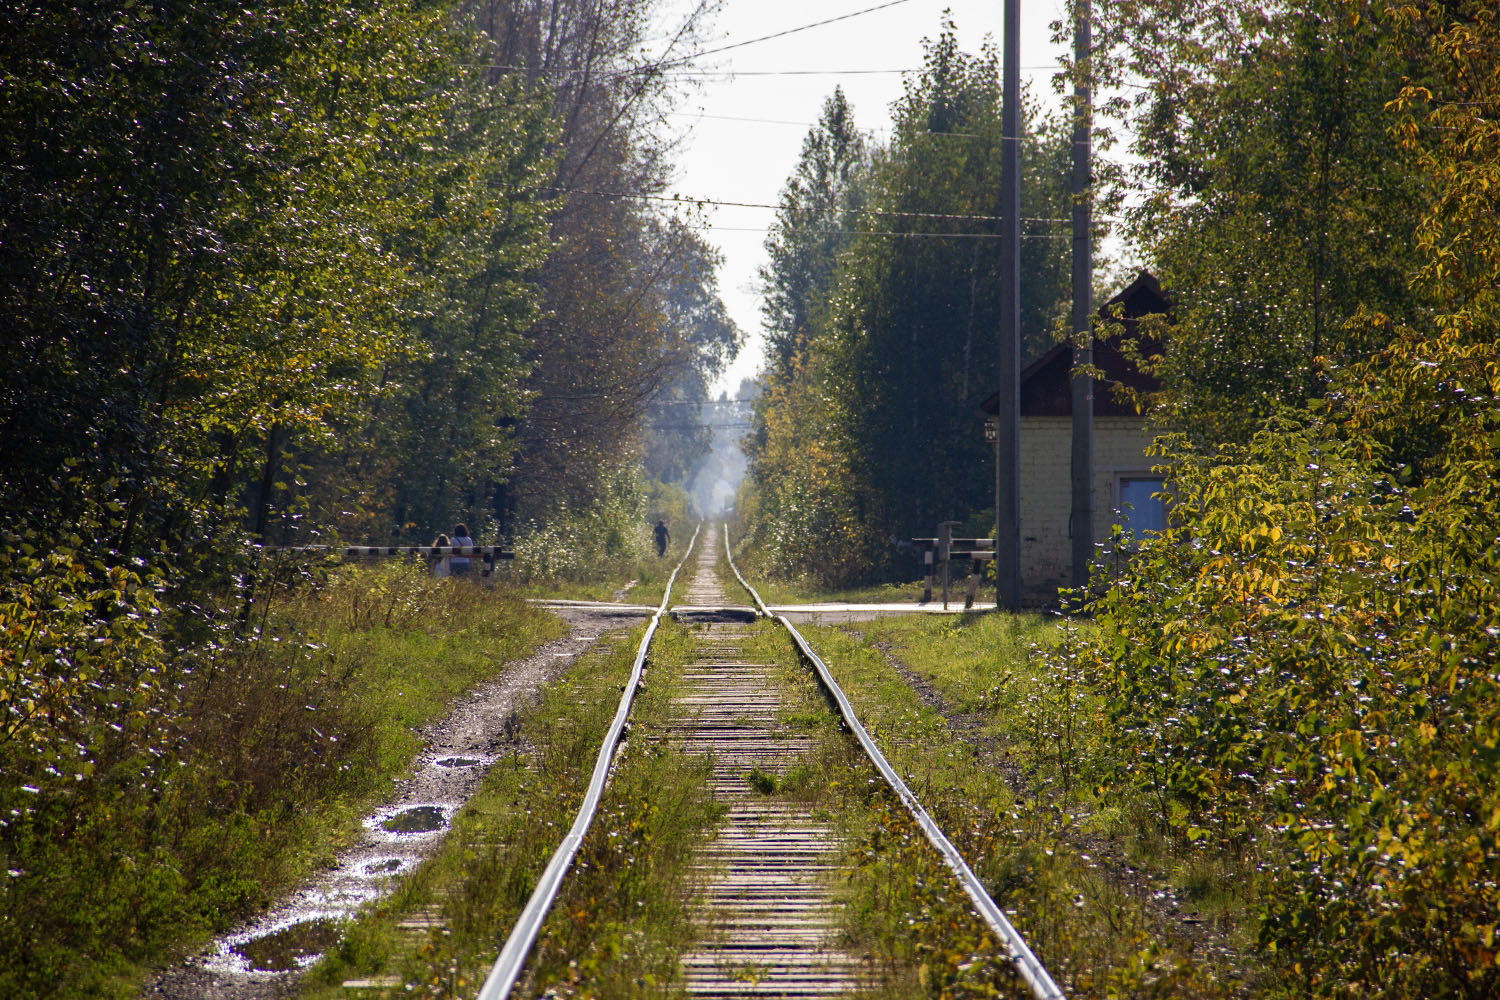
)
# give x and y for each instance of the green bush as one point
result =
(608, 538)
(1300, 676)
(156, 790)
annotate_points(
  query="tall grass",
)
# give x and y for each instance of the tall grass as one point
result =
(621, 916)
(591, 552)
(1097, 939)
(258, 759)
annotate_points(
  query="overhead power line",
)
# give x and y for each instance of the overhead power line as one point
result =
(783, 121)
(738, 426)
(703, 74)
(789, 31)
(853, 232)
(689, 200)
(732, 73)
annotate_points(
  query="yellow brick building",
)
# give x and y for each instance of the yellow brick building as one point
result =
(1123, 481)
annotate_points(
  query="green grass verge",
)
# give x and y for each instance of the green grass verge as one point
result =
(805, 592)
(619, 921)
(1049, 726)
(414, 644)
(288, 741)
(774, 590)
(642, 580)
(1079, 877)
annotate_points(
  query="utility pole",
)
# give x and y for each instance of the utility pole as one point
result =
(1081, 520)
(1008, 415)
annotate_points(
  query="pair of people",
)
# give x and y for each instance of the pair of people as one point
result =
(445, 565)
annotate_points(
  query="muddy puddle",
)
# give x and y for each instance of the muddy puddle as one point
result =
(290, 948)
(457, 762)
(397, 838)
(417, 819)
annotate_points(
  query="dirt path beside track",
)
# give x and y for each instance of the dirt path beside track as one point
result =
(482, 728)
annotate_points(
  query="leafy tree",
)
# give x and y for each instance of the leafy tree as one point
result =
(898, 355)
(1272, 201)
(1300, 673)
(437, 439)
(676, 439)
(230, 211)
(603, 347)
(225, 229)
(815, 220)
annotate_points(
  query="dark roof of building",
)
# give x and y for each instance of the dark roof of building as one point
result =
(1046, 385)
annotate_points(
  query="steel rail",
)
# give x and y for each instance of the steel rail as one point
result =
(1027, 965)
(507, 967)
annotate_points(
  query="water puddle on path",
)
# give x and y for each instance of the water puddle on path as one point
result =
(397, 838)
(418, 819)
(290, 948)
(483, 728)
(457, 761)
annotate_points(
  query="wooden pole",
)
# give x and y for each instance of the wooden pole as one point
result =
(1081, 521)
(1008, 415)
(945, 554)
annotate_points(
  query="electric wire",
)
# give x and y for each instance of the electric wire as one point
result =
(720, 203)
(704, 74)
(789, 31)
(698, 116)
(709, 226)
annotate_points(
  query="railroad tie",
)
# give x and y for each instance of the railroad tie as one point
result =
(768, 915)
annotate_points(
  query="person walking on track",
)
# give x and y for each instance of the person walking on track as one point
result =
(661, 537)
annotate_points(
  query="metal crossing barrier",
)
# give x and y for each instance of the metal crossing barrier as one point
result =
(942, 550)
(487, 553)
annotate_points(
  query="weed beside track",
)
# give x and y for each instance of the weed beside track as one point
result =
(623, 917)
(471, 891)
(618, 922)
(1101, 925)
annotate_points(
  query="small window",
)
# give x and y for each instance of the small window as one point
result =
(1139, 508)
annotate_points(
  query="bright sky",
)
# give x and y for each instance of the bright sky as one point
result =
(781, 84)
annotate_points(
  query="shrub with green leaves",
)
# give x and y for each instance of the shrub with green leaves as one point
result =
(610, 536)
(1303, 671)
(1300, 676)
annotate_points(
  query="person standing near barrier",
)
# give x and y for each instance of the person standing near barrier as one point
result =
(440, 565)
(661, 537)
(460, 564)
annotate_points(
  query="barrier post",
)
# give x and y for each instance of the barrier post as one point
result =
(926, 575)
(945, 551)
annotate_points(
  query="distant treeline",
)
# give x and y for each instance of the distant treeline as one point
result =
(882, 298)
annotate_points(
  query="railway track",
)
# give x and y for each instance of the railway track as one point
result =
(767, 913)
